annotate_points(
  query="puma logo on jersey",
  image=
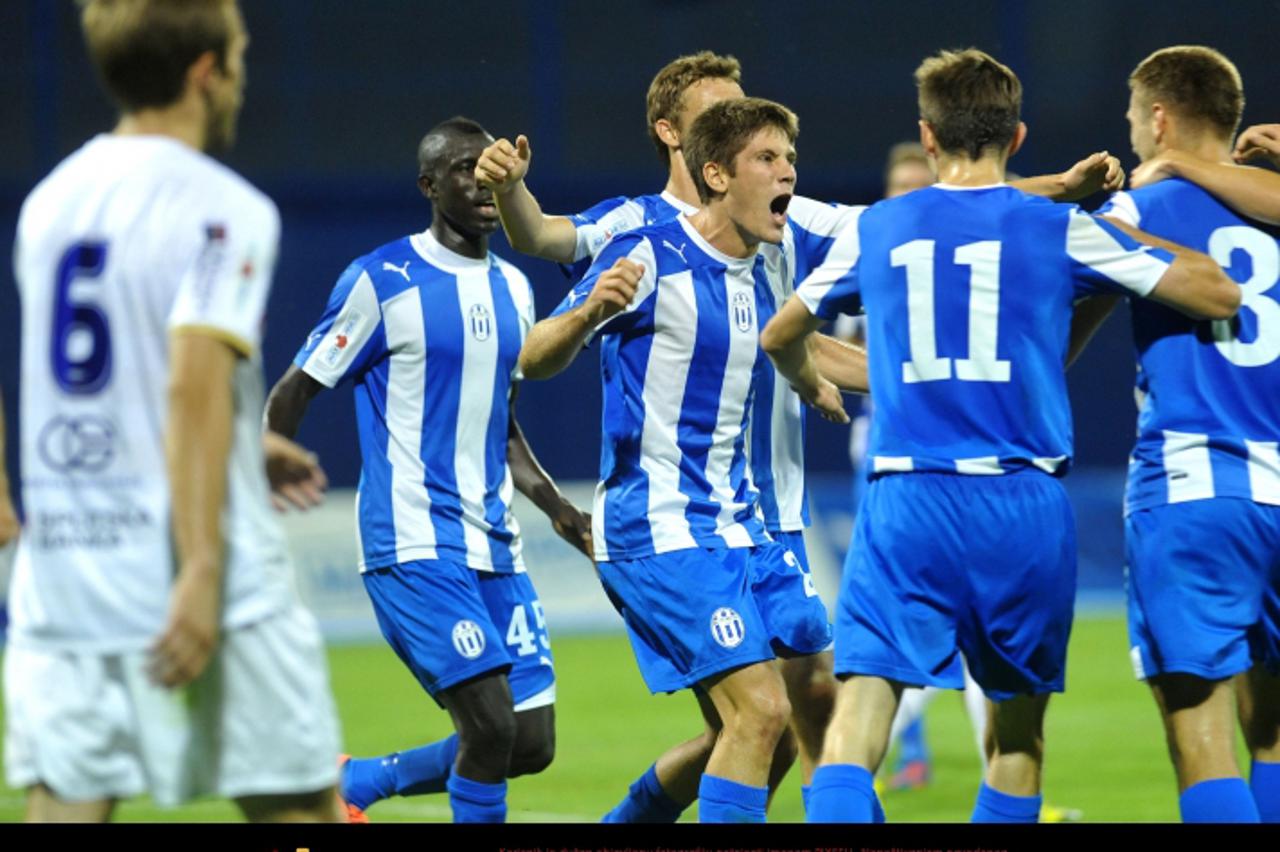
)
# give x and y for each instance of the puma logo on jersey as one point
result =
(679, 251)
(403, 270)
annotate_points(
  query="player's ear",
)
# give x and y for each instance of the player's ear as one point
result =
(426, 187)
(716, 177)
(1019, 136)
(927, 140)
(201, 71)
(667, 133)
(1159, 122)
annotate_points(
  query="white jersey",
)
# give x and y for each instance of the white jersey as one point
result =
(127, 240)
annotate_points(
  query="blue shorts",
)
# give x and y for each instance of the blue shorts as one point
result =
(948, 564)
(695, 613)
(1204, 587)
(793, 540)
(449, 623)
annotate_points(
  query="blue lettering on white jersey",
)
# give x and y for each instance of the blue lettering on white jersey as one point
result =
(1209, 423)
(968, 294)
(678, 366)
(776, 436)
(412, 325)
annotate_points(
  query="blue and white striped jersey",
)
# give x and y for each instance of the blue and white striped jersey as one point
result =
(679, 367)
(776, 433)
(413, 324)
(968, 294)
(1209, 423)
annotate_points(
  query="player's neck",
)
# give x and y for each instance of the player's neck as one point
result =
(183, 121)
(715, 226)
(679, 183)
(475, 247)
(962, 171)
(1203, 147)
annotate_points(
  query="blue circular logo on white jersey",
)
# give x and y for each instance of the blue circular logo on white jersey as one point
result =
(481, 322)
(468, 639)
(727, 628)
(742, 311)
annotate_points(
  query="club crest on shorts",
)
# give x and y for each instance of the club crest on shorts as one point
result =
(468, 639)
(727, 628)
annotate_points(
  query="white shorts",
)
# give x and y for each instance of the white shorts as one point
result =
(259, 721)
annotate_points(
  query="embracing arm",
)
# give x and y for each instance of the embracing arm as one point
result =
(844, 364)
(1098, 172)
(784, 339)
(1252, 192)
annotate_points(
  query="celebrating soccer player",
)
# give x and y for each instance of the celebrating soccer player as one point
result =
(1202, 525)
(708, 598)
(429, 328)
(152, 560)
(966, 541)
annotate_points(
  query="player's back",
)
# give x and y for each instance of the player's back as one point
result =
(968, 294)
(126, 239)
(1210, 414)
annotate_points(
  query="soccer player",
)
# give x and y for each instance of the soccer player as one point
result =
(428, 328)
(156, 640)
(1202, 504)
(966, 542)
(708, 598)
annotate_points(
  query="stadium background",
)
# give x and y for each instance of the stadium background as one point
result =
(339, 94)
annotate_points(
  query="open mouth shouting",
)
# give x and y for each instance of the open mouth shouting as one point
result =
(778, 209)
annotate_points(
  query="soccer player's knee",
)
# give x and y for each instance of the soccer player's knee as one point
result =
(767, 715)
(532, 756)
(490, 730)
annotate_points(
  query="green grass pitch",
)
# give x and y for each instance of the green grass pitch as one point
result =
(1105, 751)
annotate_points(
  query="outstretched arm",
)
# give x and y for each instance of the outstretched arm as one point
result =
(503, 166)
(531, 480)
(844, 364)
(1099, 172)
(1250, 191)
(1194, 284)
(785, 341)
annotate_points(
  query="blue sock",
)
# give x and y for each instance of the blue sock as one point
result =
(403, 773)
(722, 800)
(646, 801)
(1264, 782)
(1218, 800)
(842, 792)
(994, 806)
(911, 744)
(474, 801)
(425, 769)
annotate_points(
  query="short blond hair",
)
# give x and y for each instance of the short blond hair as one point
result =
(971, 101)
(666, 93)
(143, 48)
(1196, 82)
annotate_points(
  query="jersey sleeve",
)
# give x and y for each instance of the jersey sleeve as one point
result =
(639, 310)
(815, 226)
(224, 292)
(1105, 259)
(601, 223)
(832, 289)
(1124, 208)
(350, 336)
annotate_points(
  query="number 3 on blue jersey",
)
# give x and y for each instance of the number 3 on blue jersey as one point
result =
(1264, 255)
(982, 365)
(81, 343)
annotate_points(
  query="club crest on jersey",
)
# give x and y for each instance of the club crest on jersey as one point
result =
(468, 639)
(742, 311)
(727, 628)
(481, 322)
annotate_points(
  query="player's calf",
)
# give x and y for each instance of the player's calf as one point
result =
(318, 806)
(43, 805)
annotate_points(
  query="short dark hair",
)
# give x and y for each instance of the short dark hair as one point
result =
(723, 130)
(971, 101)
(143, 48)
(433, 144)
(1197, 83)
(666, 92)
